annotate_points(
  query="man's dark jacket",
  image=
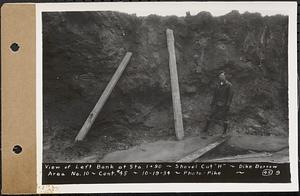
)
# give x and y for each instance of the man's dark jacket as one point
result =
(223, 95)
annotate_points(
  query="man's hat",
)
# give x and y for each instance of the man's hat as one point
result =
(220, 72)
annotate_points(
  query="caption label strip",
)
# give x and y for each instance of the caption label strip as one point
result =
(87, 173)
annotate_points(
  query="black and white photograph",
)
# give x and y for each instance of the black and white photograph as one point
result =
(187, 85)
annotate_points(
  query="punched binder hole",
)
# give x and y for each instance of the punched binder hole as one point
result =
(17, 149)
(14, 47)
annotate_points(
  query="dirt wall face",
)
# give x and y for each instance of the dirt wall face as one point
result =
(81, 51)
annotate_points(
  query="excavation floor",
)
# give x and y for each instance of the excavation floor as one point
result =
(170, 151)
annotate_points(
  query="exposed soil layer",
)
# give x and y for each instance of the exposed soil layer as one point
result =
(81, 51)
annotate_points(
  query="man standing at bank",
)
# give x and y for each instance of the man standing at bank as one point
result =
(220, 103)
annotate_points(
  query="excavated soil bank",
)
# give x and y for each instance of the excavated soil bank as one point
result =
(81, 51)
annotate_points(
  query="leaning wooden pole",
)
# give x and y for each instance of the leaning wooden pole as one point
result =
(175, 86)
(107, 91)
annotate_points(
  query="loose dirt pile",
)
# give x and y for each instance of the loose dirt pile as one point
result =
(81, 51)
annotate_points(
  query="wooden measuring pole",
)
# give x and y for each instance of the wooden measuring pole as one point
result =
(175, 86)
(107, 91)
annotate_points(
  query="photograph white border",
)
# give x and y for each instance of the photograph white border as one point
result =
(286, 8)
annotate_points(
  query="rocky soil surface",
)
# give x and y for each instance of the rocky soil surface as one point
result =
(81, 51)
